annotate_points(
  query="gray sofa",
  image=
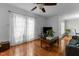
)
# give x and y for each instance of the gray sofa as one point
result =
(72, 49)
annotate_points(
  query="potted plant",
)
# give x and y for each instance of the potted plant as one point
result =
(50, 33)
(67, 32)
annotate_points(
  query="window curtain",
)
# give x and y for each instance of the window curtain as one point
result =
(30, 28)
(22, 28)
(62, 27)
(17, 28)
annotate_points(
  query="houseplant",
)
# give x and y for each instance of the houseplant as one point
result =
(67, 32)
(50, 33)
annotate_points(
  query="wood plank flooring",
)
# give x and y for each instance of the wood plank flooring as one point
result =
(31, 49)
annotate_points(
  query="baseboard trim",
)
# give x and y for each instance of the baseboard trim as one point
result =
(24, 43)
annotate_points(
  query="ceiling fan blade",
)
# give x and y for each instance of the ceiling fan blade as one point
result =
(48, 4)
(33, 8)
(43, 9)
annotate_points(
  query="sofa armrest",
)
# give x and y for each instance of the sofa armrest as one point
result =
(72, 51)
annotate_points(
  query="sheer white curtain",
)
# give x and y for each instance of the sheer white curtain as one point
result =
(62, 27)
(22, 28)
(30, 28)
(17, 29)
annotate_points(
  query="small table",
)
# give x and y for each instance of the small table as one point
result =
(45, 41)
(49, 42)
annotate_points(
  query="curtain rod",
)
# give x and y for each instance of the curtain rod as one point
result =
(15, 12)
(19, 13)
(11, 11)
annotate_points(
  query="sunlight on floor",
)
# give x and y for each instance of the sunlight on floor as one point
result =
(30, 51)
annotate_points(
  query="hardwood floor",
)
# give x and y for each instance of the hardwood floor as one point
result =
(31, 49)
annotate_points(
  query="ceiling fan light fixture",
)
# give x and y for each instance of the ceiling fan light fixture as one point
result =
(43, 10)
(41, 6)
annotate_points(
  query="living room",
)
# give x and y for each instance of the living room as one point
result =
(28, 28)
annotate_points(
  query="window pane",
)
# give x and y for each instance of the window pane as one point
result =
(30, 28)
(19, 27)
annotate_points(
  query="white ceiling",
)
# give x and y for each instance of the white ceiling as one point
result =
(59, 9)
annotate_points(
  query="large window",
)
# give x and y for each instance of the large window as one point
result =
(18, 28)
(62, 27)
(22, 28)
(30, 28)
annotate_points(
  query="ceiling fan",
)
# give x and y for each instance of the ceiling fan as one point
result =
(41, 6)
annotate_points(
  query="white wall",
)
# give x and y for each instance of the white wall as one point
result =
(5, 21)
(54, 23)
(39, 23)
